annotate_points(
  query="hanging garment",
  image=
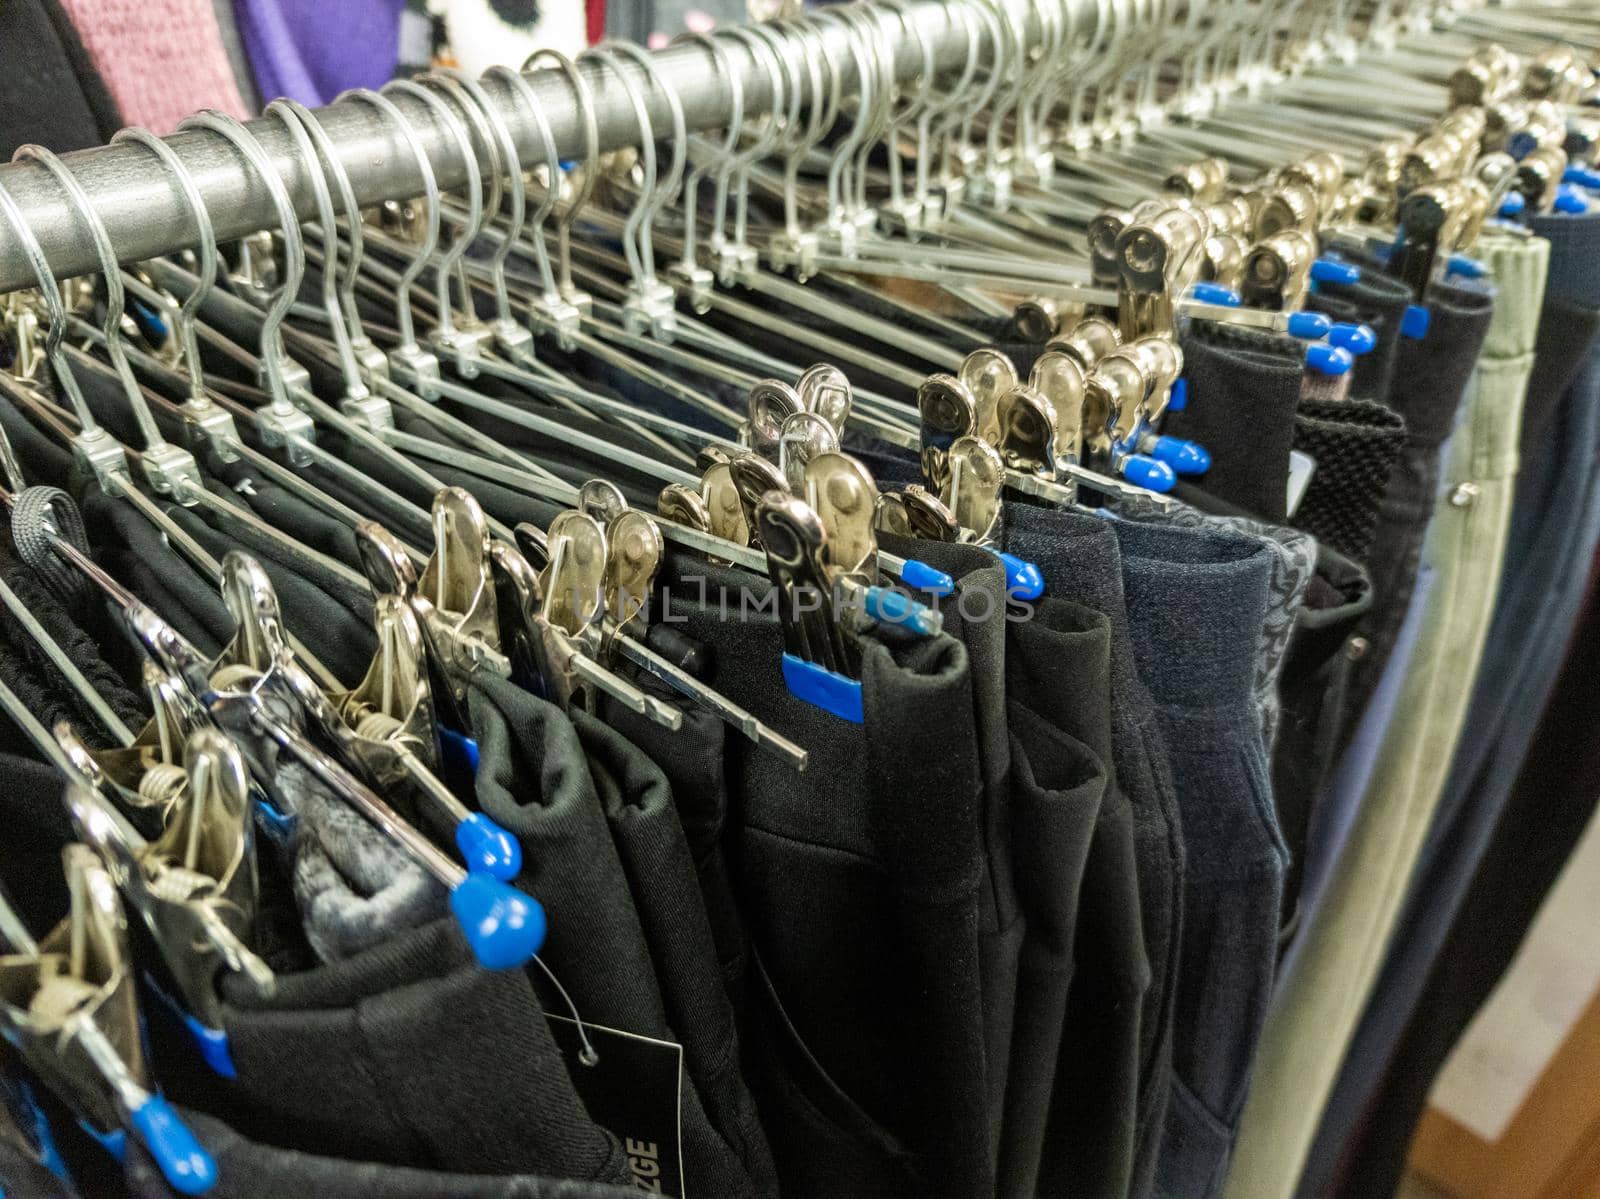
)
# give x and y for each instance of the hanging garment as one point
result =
(1214, 586)
(1553, 534)
(311, 52)
(1430, 380)
(1549, 808)
(54, 95)
(1318, 1007)
(1079, 559)
(160, 61)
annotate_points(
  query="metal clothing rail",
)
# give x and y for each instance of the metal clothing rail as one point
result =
(144, 210)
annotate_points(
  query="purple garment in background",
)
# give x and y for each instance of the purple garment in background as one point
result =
(311, 50)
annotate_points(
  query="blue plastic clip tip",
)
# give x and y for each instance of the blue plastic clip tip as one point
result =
(1215, 293)
(504, 927)
(487, 847)
(1358, 339)
(1309, 325)
(183, 1160)
(1328, 360)
(1183, 456)
(1329, 270)
(919, 576)
(1023, 579)
(1146, 472)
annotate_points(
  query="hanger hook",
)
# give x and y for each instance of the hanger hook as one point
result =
(636, 242)
(206, 237)
(91, 435)
(448, 259)
(519, 84)
(83, 208)
(680, 134)
(867, 88)
(409, 352)
(291, 120)
(583, 97)
(762, 144)
(272, 351)
(368, 355)
(506, 175)
(723, 162)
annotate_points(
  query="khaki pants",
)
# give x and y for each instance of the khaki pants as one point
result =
(1316, 1009)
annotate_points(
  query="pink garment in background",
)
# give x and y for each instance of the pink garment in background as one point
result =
(160, 59)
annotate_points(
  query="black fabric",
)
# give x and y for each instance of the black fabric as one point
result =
(1312, 690)
(1243, 394)
(1354, 444)
(1075, 1053)
(655, 854)
(693, 759)
(53, 95)
(1430, 379)
(975, 615)
(1078, 557)
(1548, 810)
(864, 1025)
(250, 1170)
(1567, 328)
(1379, 301)
(402, 1040)
(534, 780)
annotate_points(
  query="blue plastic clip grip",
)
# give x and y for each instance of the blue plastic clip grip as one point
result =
(504, 927)
(1146, 472)
(1185, 457)
(1358, 339)
(919, 576)
(1309, 325)
(824, 689)
(1215, 293)
(487, 847)
(1328, 360)
(1024, 580)
(183, 1160)
(1331, 270)
(1571, 200)
(1414, 324)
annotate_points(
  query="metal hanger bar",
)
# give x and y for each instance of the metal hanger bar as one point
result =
(146, 214)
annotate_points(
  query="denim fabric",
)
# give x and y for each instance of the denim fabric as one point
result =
(1319, 1004)
(1555, 526)
(1197, 605)
(1079, 559)
(1294, 559)
(1429, 381)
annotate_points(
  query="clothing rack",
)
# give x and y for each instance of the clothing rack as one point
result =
(145, 213)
